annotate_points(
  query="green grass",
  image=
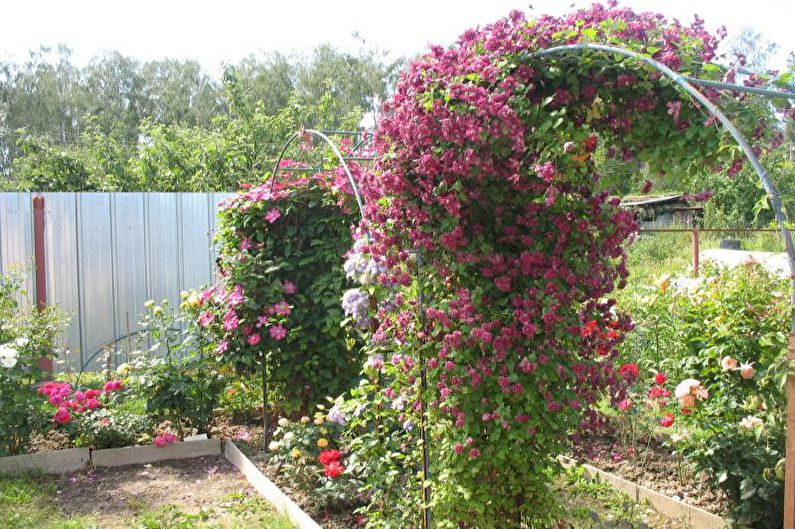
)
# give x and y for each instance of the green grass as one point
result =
(28, 503)
(655, 254)
(586, 501)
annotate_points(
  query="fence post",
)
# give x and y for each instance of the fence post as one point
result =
(695, 253)
(789, 465)
(40, 270)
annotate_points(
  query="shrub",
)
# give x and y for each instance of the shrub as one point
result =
(734, 331)
(176, 377)
(277, 296)
(25, 338)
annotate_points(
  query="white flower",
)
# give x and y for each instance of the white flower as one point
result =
(8, 356)
(747, 370)
(728, 363)
(283, 422)
(21, 341)
(751, 423)
(274, 445)
(686, 387)
(289, 436)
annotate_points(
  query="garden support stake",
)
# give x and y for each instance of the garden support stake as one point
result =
(789, 469)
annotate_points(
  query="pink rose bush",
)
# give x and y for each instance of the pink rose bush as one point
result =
(69, 401)
(279, 284)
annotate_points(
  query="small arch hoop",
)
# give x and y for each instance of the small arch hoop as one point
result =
(336, 152)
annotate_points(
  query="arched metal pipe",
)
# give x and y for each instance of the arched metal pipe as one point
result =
(337, 153)
(768, 185)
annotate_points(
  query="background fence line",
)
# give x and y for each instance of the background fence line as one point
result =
(107, 253)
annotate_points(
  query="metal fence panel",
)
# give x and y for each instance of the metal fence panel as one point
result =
(63, 273)
(97, 294)
(163, 247)
(195, 240)
(16, 239)
(130, 256)
(107, 253)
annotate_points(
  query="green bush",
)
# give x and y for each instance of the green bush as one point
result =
(25, 338)
(175, 377)
(728, 332)
(277, 297)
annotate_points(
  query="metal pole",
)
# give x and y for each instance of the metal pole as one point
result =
(265, 408)
(695, 253)
(426, 462)
(740, 88)
(39, 256)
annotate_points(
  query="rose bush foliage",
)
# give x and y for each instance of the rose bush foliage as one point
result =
(733, 327)
(486, 196)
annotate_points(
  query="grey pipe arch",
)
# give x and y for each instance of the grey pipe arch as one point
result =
(685, 85)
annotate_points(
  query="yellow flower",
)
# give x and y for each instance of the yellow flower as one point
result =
(157, 311)
(149, 303)
(323, 431)
(304, 419)
(663, 283)
(322, 443)
(123, 369)
(296, 453)
(318, 421)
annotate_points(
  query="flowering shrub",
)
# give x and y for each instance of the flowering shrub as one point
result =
(646, 408)
(280, 284)
(25, 338)
(731, 398)
(177, 377)
(309, 453)
(487, 196)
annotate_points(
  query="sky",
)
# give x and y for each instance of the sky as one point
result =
(218, 32)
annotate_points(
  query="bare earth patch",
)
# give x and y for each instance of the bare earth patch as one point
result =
(114, 496)
(654, 467)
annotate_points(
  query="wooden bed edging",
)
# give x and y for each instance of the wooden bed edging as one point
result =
(268, 489)
(698, 518)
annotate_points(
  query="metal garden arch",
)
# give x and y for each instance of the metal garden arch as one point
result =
(687, 85)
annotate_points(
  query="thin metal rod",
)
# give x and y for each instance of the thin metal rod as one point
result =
(740, 88)
(337, 153)
(767, 183)
(426, 460)
(709, 230)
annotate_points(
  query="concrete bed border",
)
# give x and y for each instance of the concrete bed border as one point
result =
(268, 489)
(696, 517)
(75, 459)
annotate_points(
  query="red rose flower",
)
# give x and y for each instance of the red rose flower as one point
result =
(327, 457)
(629, 372)
(660, 379)
(334, 469)
(667, 420)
